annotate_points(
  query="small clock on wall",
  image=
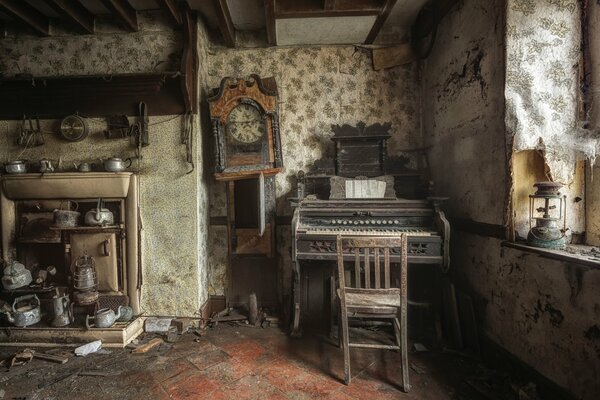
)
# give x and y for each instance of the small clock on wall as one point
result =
(246, 128)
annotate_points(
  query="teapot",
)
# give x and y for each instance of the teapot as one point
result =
(103, 318)
(99, 216)
(28, 312)
(83, 167)
(115, 164)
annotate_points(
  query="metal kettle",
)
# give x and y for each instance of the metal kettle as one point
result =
(104, 318)
(99, 216)
(62, 310)
(26, 313)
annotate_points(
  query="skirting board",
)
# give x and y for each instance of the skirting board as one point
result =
(119, 335)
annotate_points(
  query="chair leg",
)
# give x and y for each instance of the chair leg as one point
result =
(401, 338)
(345, 343)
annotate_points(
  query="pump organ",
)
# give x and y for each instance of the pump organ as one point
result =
(318, 218)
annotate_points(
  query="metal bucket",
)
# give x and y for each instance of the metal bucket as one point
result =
(66, 218)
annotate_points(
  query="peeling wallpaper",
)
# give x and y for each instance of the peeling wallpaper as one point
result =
(173, 203)
(318, 86)
(542, 82)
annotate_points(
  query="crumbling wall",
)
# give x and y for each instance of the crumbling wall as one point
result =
(463, 99)
(543, 311)
(170, 200)
(593, 96)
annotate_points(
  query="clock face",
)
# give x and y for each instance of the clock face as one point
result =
(245, 124)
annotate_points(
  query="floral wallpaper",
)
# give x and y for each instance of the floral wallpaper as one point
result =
(542, 82)
(156, 47)
(318, 86)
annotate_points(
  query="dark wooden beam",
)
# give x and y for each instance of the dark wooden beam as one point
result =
(171, 8)
(330, 4)
(92, 96)
(383, 15)
(281, 14)
(75, 12)
(270, 22)
(189, 61)
(125, 13)
(28, 15)
(225, 23)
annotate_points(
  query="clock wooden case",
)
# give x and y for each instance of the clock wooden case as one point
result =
(245, 127)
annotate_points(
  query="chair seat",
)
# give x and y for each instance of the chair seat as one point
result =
(365, 311)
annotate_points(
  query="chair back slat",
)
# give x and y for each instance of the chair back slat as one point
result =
(377, 268)
(357, 267)
(386, 267)
(367, 269)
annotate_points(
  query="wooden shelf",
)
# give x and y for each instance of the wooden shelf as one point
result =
(39, 241)
(89, 229)
(91, 96)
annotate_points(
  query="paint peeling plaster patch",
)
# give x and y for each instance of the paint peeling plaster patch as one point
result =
(556, 316)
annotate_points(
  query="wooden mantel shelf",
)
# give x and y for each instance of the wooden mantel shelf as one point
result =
(91, 96)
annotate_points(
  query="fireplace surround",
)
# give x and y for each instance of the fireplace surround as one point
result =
(120, 274)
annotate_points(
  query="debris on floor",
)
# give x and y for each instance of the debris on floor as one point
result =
(227, 362)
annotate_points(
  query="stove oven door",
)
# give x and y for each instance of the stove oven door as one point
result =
(103, 247)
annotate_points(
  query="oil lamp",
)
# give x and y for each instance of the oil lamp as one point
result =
(548, 208)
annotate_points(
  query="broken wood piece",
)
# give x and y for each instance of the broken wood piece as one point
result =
(252, 309)
(388, 57)
(182, 325)
(229, 318)
(51, 357)
(148, 346)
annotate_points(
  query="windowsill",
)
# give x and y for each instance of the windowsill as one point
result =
(574, 253)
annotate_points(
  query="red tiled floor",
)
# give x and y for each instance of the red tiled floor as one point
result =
(190, 385)
(228, 371)
(208, 359)
(251, 387)
(245, 350)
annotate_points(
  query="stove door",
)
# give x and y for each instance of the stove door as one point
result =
(103, 247)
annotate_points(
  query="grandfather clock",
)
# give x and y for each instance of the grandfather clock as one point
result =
(247, 151)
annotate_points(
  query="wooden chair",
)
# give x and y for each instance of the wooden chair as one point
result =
(369, 294)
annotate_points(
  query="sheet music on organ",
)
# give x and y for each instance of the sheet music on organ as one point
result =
(365, 189)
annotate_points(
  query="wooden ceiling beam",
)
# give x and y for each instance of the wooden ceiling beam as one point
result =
(75, 12)
(326, 13)
(125, 13)
(26, 14)
(383, 15)
(171, 8)
(270, 22)
(225, 24)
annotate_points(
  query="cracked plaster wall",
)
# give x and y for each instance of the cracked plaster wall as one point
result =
(173, 204)
(545, 312)
(593, 181)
